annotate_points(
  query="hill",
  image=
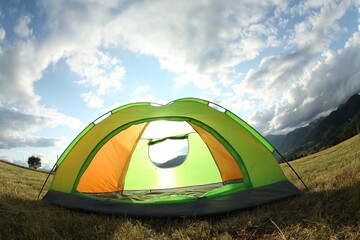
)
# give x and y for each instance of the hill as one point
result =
(322, 133)
(330, 210)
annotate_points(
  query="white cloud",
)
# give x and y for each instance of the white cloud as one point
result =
(143, 94)
(97, 69)
(92, 100)
(322, 27)
(22, 27)
(54, 118)
(329, 83)
(294, 88)
(23, 60)
(140, 90)
(276, 74)
(17, 127)
(202, 41)
(2, 34)
(20, 67)
(2, 37)
(14, 123)
(359, 19)
(21, 64)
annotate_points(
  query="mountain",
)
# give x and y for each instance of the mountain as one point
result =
(172, 162)
(322, 133)
(275, 139)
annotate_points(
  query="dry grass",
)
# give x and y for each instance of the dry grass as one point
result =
(330, 210)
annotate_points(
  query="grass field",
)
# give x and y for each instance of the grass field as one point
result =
(330, 210)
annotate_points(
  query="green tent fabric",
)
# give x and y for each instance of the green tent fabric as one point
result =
(189, 157)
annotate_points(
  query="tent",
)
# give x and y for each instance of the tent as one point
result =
(188, 157)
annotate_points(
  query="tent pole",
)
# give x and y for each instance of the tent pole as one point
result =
(46, 181)
(292, 169)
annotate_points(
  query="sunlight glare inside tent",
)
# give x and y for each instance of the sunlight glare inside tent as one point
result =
(167, 179)
(162, 129)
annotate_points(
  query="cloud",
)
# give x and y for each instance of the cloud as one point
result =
(2, 34)
(2, 37)
(307, 79)
(19, 68)
(92, 100)
(205, 43)
(143, 94)
(23, 60)
(201, 41)
(22, 27)
(329, 82)
(14, 129)
(140, 90)
(97, 69)
(18, 126)
(321, 27)
(359, 18)
(81, 44)
(13, 140)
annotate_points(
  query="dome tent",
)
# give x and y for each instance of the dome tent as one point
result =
(189, 157)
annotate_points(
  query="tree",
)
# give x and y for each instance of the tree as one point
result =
(34, 162)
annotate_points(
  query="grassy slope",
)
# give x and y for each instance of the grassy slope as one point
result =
(330, 210)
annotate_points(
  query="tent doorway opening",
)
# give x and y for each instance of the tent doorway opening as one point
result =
(168, 142)
(168, 159)
(169, 153)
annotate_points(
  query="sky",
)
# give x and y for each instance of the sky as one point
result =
(276, 64)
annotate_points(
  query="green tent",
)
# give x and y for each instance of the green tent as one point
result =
(188, 157)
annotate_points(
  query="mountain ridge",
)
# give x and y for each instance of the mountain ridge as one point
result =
(324, 132)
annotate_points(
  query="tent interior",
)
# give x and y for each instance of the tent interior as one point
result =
(161, 161)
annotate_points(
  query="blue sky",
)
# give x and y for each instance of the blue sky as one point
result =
(277, 64)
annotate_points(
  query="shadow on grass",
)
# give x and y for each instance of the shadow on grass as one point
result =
(31, 219)
(328, 213)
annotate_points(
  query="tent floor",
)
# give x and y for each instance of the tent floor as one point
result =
(156, 194)
(195, 207)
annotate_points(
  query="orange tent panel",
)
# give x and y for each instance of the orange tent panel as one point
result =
(227, 165)
(107, 170)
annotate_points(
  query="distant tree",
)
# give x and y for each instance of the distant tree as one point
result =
(34, 162)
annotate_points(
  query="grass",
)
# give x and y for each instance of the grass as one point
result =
(330, 210)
